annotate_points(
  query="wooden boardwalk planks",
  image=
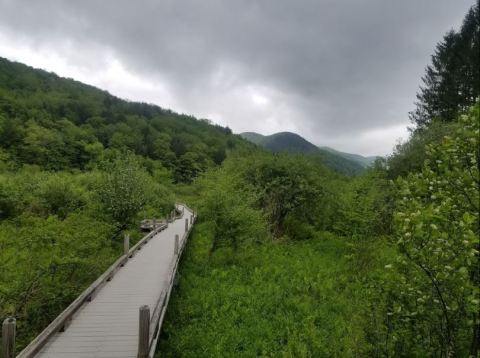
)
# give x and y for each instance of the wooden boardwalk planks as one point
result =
(108, 325)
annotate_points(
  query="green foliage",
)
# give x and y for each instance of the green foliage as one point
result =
(60, 124)
(286, 142)
(296, 229)
(230, 212)
(55, 236)
(409, 156)
(122, 189)
(301, 295)
(366, 204)
(293, 299)
(452, 82)
(437, 293)
(78, 165)
(8, 199)
(45, 263)
(285, 186)
(59, 196)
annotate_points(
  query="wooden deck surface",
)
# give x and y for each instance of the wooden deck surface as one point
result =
(108, 325)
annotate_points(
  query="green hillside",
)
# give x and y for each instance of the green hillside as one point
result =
(253, 137)
(287, 258)
(57, 123)
(360, 159)
(293, 143)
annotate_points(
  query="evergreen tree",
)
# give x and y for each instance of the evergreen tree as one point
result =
(452, 81)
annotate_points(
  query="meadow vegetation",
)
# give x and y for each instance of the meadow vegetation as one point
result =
(288, 258)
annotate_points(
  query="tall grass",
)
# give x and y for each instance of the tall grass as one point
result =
(278, 298)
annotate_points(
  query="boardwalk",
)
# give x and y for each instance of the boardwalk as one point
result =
(108, 325)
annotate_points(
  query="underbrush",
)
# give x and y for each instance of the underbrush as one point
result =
(276, 298)
(59, 231)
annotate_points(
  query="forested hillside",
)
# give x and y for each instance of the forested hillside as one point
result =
(363, 161)
(59, 124)
(287, 258)
(293, 143)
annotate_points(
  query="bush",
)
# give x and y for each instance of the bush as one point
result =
(59, 195)
(437, 231)
(122, 190)
(9, 201)
(230, 212)
(298, 230)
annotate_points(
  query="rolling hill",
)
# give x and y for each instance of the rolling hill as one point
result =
(364, 161)
(57, 123)
(345, 163)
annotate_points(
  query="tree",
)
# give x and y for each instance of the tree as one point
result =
(230, 212)
(410, 155)
(285, 186)
(161, 150)
(187, 168)
(122, 190)
(452, 81)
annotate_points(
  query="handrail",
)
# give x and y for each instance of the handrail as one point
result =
(61, 321)
(162, 303)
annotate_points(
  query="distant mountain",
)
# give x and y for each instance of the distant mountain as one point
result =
(278, 142)
(360, 159)
(253, 137)
(345, 163)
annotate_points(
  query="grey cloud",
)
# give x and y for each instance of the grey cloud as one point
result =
(332, 69)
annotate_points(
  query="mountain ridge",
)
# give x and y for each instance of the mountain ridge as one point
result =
(346, 163)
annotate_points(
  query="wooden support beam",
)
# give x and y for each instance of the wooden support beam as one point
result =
(177, 244)
(126, 244)
(8, 337)
(144, 332)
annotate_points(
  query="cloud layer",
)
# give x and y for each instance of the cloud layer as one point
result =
(340, 73)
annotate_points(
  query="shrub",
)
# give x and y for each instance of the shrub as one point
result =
(60, 196)
(122, 190)
(437, 232)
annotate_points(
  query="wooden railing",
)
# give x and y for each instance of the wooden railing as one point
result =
(150, 326)
(155, 324)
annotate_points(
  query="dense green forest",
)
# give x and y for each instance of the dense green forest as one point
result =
(288, 257)
(59, 124)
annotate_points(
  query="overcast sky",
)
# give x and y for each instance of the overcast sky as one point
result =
(341, 73)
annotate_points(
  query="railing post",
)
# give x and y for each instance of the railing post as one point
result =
(144, 332)
(177, 244)
(126, 244)
(191, 219)
(154, 224)
(8, 337)
(186, 224)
